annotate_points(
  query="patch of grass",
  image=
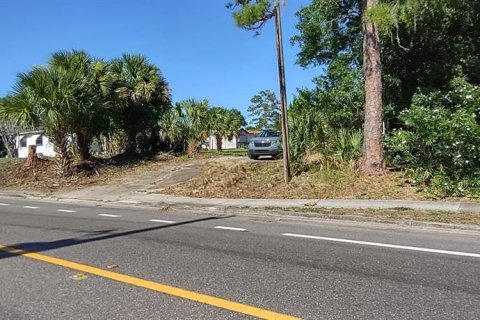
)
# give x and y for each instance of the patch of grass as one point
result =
(391, 214)
(224, 152)
(6, 161)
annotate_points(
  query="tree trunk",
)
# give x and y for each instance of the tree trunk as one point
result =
(7, 142)
(83, 144)
(193, 147)
(131, 141)
(155, 139)
(218, 139)
(32, 157)
(373, 159)
(63, 159)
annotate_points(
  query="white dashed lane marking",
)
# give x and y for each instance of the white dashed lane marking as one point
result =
(109, 215)
(30, 207)
(3, 204)
(385, 245)
(230, 228)
(162, 221)
(67, 211)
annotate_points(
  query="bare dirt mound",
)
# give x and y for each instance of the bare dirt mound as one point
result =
(145, 180)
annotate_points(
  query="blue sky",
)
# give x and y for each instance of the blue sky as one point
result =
(195, 43)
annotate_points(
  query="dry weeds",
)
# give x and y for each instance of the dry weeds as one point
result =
(263, 179)
(392, 214)
(14, 174)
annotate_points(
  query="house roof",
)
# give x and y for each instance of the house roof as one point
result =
(31, 132)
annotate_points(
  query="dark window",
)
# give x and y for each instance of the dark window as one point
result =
(23, 142)
(39, 141)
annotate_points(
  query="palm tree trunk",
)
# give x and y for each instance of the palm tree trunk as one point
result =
(155, 139)
(131, 141)
(218, 138)
(373, 158)
(63, 159)
(83, 143)
(192, 147)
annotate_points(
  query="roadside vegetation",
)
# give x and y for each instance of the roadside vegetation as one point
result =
(430, 87)
(398, 214)
(42, 178)
(263, 179)
(406, 126)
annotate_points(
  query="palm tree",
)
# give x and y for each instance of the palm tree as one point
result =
(234, 122)
(140, 96)
(173, 128)
(194, 114)
(45, 97)
(225, 123)
(66, 99)
(88, 111)
(218, 124)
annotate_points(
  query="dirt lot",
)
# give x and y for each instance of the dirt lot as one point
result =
(219, 177)
(14, 175)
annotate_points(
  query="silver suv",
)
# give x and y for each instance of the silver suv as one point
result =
(267, 143)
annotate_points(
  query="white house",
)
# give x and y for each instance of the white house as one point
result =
(34, 138)
(239, 141)
(227, 143)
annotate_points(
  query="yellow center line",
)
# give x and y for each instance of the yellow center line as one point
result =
(158, 287)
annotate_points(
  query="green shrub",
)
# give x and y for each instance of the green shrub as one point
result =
(312, 144)
(325, 122)
(440, 144)
(305, 134)
(347, 146)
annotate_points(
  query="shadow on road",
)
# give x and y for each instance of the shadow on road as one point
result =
(105, 235)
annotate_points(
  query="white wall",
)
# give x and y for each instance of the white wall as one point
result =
(226, 143)
(229, 143)
(46, 149)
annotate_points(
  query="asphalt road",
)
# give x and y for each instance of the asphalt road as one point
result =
(328, 270)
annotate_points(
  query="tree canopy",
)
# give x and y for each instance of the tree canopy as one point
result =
(264, 111)
(425, 43)
(252, 14)
(427, 47)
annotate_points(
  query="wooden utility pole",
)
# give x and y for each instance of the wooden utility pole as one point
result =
(283, 92)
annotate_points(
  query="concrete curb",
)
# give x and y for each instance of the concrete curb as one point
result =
(164, 199)
(395, 204)
(463, 207)
(273, 207)
(276, 214)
